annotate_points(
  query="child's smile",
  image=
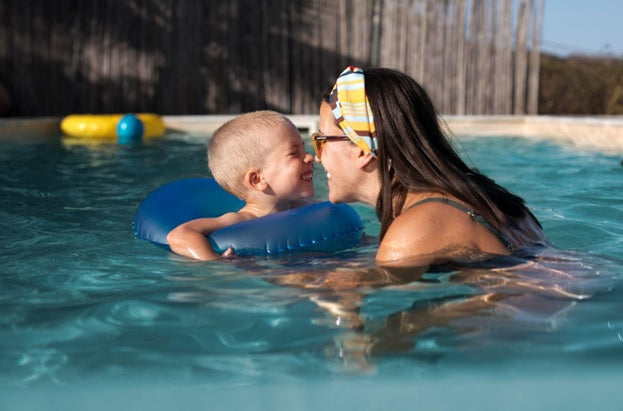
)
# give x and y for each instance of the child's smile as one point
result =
(289, 169)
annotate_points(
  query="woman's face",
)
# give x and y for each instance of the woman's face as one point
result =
(338, 160)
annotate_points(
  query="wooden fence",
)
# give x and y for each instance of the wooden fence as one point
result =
(222, 57)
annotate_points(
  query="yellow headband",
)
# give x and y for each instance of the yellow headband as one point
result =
(351, 109)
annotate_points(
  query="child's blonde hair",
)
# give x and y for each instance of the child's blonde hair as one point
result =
(239, 145)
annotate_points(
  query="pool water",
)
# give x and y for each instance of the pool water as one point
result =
(86, 309)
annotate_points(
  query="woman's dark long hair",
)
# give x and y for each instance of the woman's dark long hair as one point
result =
(415, 155)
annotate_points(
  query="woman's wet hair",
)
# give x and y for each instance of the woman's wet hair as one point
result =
(415, 155)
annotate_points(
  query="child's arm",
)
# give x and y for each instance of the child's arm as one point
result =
(189, 239)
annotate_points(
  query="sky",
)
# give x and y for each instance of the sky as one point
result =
(583, 27)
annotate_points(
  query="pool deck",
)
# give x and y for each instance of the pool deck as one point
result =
(601, 133)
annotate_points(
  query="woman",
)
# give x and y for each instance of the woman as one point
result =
(380, 143)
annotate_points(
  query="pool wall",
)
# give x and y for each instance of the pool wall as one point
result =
(18, 128)
(602, 133)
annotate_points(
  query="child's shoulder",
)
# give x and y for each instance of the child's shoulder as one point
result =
(233, 217)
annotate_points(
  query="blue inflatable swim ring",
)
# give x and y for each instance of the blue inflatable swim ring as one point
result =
(320, 227)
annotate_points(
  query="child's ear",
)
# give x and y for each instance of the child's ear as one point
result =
(255, 180)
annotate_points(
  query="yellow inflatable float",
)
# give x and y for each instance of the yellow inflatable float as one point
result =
(110, 126)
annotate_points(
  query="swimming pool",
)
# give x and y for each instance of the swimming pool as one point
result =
(88, 311)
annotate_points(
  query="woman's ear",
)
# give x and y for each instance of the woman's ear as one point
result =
(364, 159)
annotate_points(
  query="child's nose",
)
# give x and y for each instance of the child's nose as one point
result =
(308, 158)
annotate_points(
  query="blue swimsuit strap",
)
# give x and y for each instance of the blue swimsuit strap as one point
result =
(474, 216)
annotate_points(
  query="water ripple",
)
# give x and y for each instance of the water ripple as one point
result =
(79, 295)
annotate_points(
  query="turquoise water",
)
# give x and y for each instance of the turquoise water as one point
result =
(88, 312)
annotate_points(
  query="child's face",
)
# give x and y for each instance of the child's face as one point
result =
(288, 168)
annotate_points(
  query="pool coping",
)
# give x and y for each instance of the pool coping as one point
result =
(601, 133)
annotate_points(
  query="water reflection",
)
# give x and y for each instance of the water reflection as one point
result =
(452, 307)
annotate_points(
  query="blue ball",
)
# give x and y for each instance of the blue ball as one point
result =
(129, 129)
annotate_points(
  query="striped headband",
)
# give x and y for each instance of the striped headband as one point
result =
(351, 109)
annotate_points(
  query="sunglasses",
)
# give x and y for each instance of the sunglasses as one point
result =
(318, 141)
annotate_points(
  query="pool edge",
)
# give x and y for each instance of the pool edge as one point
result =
(602, 133)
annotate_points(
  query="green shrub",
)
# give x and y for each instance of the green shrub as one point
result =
(581, 85)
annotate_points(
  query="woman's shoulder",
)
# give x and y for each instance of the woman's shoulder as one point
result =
(428, 214)
(440, 227)
(423, 228)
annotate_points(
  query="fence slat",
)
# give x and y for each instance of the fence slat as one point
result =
(215, 57)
